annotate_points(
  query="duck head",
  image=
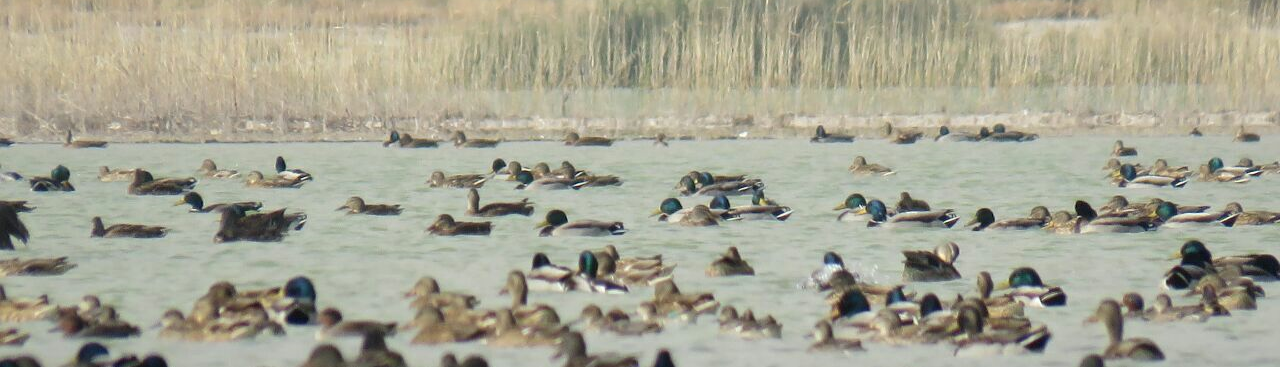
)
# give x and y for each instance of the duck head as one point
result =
(878, 211)
(855, 202)
(706, 178)
(820, 132)
(60, 173)
(301, 293)
(588, 264)
(1195, 253)
(983, 218)
(1084, 210)
(852, 303)
(571, 137)
(943, 131)
(524, 178)
(1166, 210)
(929, 304)
(998, 129)
(669, 206)
(280, 165)
(720, 202)
(1215, 164)
(832, 259)
(1025, 277)
(554, 218)
(193, 199)
(498, 165)
(1128, 172)
(393, 138)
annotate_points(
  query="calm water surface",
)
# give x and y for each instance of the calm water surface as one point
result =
(363, 265)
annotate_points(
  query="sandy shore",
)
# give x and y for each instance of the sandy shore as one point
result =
(709, 127)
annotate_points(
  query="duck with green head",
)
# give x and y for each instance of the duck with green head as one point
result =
(937, 219)
(1108, 313)
(557, 223)
(998, 133)
(1169, 217)
(1208, 174)
(1127, 177)
(527, 182)
(1197, 261)
(59, 180)
(587, 277)
(1025, 286)
(985, 219)
(853, 209)
(820, 135)
(931, 266)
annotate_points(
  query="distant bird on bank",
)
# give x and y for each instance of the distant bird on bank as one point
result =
(69, 143)
(1246, 137)
(820, 135)
(572, 139)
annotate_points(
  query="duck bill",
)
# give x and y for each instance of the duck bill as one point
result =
(180, 202)
(842, 206)
(656, 212)
(972, 222)
(341, 208)
(1176, 256)
(542, 224)
(1002, 286)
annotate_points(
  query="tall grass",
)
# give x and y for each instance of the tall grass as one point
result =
(179, 65)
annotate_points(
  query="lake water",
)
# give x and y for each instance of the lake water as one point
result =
(363, 265)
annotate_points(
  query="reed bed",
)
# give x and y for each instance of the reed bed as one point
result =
(220, 65)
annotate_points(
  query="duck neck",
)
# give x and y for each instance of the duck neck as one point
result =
(98, 230)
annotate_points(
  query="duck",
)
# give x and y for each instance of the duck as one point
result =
(208, 169)
(689, 186)
(672, 211)
(999, 134)
(49, 266)
(106, 174)
(616, 322)
(861, 167)
(587, 277)
(408, 141)
(824, 340)
(1219, 297)
(1119, 150)
(749, 328)
(508, 333)
(374, 352)
(1269, 168)
(11, 227)
(1004, 306)
(880, 217)
(572, 139)
(106, 326)
(945, 135)
(630, 274)
(660, 140)
(522, 207)
(527, 182)
(255, 179)
(729, 264)
(906, 137)
(70, 143)
(640, 265)
(667, 298)
(1118, 206)
(6, 176)
(426, 292)
(761, 208)
(567, 170)
(985, 219)
(5, 142)
(556, 223)
(236, 225)
(356, 205)
(1025, 286)
(931, 266)
(699, 216)
(1196, 261)
(820, 279)
(145, 184)
(460, 141)
(1089, 222)
(977, 339)
(325, 355)
(283, 171)
(13, 337)
(446, 226)
(1253, 217)
(1162, 311)
(1128, 178)
(463, 181)
(1169, 217)
(850, 305)
(573, 348)
(1218, 167)
(908, 204)
(1161, 168)
(544, 276)
(434, 329)
(1207, 174)
(126, 230)
(196, 202)
(59, 180)
(1108, 313)
(511, 170)
(853, 209)
(820, 135)
(1113, 165)
(20, 310)
(333, 325)
(1243, 136)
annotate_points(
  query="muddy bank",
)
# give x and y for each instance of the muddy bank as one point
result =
(709, 127)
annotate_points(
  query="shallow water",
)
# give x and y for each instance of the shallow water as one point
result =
(362, 265)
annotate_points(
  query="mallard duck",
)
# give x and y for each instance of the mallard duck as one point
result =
(1088, 221)
(861, 167)
(209, 169)
(145, 184)
(931, 266)
(567, 170)
(255, 179)
(1248, 165)
(557, 223)
(880, 217)
(69, 143)
(977, 339)
(1161, 168)
(660, 140)
(572, 139)
(236, 225)
(761, 208)
(689, 186)
(853, 209)
(5, 142)
(35, 266)
(1197, 261)
(356, 205)
(106, 174)
(408, 141)
(1254, 217)
(1025, 286)
(908, 204)
(825, 340)
(333, 325)
(707, 178)
(667, 298)
(1207, 174)
(522, 207)
(850, 305)
(1114, 164)
(1162, 311)
(426, 292)
(1218, 167)
(820, 279)
(985, 219)
(1108, 313)
(729, 264)
(543, 276)
(283, 171)
(699, 216)
(197, 204)
(1003, 306)
(19, 310)
(446, 226)
(1119, 150)
(374, 352)
(434, 329)
(325, 355)
(630, 274)
(1127, 177)
(616, 321)
(1170, 217)
(999, 134)
(587, 277)
(906, 137)
(1218, 296)
(945, 135)
(106, 326)
(1119, 206)
(126, 230)
(820, 135)
(11, 227)
(527, 182)
(59, 180)
(1243, 136)
(573, 348)
(460, 140)
(640, 265)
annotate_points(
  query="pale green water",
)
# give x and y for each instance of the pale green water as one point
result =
(362, 265)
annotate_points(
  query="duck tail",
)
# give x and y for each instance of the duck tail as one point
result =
(579, 184)
(617, 229)
(1036, 341)
(1179, 183)
(890, 173)
(784, 213)
(1054, 297)
(949, 219)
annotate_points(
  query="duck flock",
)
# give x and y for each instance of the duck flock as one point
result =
(864, 311)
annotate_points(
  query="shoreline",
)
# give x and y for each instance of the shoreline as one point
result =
(786, 126)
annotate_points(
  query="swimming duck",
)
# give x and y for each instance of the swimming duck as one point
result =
(11, 227)
(667, 298)
(631, 274)
(706, 178)
(1088, 221)
(5, 142)
(13, 336)
(1197, 261)
(761, 208)
(522, 207)
(572, 139)
(543, 276)
(616, 321)
(1269, 168)
(145, 184)
(374, 352)
(853, 209)
(107, 326)
(714, 188)
(1113, 165)
(998, 307)
(729, 264)
(1253, 217)
(820, 279)
(860, 167)
(825, 340)
(567, 170)
(460, 140)
(1108, 313)
(356, 205)
(126, 230)
(35, 266)
(1119, 206)
(1217, 167)
(977, 339)
(999, 134)
(333, 325)
(283, 171)
(325, 355)
(749, 328)
(1170, 217)
(510, 171)
(573, 348)
(236, 225)
(1162, 311)
(908, 204)
(880, 217)
(446, 226)
(408, 141)
(587, 277)
(945, 135)
(527, 182)
(69, 143)
(1025, 286)
(1161, 168)
(906, 137)
(672, 211)
(292, 304)
(93, 354)
(985, 219)
(1128, 177)
(1218, 296)
(557, 223)
(851, 305)
(1119, 150)
(931, 266)
(660, 140)
(699, 216)
(197, 204)
(106, 174)
(820, 135)
(540, 171)
(1246, 137)
(426, 292)
(255, 179)
(632, 267)
(59, 180)
(1207, 174)
(463, 181)
(20, 310)
(434, 329)
(208, 169)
